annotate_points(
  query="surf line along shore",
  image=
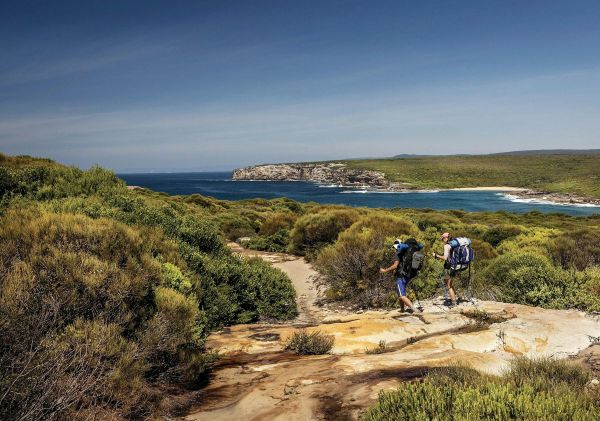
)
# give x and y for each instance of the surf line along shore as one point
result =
(257, 379)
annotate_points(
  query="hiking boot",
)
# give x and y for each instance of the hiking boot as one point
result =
(409, 311)
(448, 302)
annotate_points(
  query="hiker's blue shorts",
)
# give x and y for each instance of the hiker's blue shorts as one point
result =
(401, 284)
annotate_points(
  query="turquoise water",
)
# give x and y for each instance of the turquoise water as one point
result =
(221, 186)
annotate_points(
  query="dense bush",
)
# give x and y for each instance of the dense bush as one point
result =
(234, 226)
(110, 308)
(531, 390)
(498, 233)
(578, 249)
(529, 277)
(525, 277)
(235, 290)
(78, 297)
(277, 242)
(276, 222)
(309, 343)
(316, 230)
(350, 267)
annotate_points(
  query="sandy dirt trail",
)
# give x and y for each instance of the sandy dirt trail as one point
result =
(257, 380)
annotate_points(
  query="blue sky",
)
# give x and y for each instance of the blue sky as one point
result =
(210, 85)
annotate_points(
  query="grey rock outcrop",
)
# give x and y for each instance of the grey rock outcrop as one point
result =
(327, 173)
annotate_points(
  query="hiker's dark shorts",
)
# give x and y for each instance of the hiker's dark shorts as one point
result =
(449, 273)
(401, 284)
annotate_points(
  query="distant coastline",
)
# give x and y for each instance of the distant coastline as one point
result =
(367, 180)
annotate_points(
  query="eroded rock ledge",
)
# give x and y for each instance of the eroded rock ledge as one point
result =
(327, 173)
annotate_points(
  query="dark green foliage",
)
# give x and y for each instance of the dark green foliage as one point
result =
(526, 278)
(578, 249)
(276, 242)
(83, 294)
(309, 343)
(498, 233)
(242, 291)
(276, 222)
(315, 230)
(531, 390)
(235, 226)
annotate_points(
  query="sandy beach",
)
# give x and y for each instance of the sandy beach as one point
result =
(500, 188)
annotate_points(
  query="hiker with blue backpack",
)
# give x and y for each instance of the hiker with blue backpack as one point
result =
(457, 257)
(406, 266)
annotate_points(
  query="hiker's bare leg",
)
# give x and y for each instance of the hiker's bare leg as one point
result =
(451, 292)
(405, 300)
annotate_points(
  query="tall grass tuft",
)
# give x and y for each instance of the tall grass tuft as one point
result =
(309, 343)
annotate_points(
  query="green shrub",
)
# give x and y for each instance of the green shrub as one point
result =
(499, 233)
(525, 277)
(238, 290)
(581, 290)
(175, 279)
(316, 230)
(313, 343)
(174, 334)
(276, 242)
(526, 392)
(439, 221)
(578, 249)
(350, 267)
(546, 373)
(540, 240)
(277, 222)
(483, 250)
(234, 226)
(78, 299)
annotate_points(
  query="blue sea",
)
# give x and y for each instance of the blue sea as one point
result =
(221, 186)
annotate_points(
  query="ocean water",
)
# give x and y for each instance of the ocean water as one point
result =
(221, 186)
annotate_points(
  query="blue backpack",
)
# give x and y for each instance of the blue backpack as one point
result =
(461, 253)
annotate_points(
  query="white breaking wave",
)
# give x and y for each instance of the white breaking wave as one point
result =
(516, 199)
(388, 192)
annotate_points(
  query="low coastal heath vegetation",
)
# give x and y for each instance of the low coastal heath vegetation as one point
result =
(107, 294)
(309, 343)
(575, 174)
(531, 390)
(548, 260)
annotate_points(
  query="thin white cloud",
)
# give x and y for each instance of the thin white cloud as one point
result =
(43, 67)
(508, 115)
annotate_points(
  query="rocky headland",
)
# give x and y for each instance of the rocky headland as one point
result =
(326, 173)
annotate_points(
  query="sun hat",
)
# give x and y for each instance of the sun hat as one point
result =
(445, 235)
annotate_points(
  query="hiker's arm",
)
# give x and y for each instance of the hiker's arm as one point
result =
(393, 267)
(444, 256)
